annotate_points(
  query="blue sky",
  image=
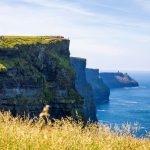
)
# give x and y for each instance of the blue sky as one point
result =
(111, 34)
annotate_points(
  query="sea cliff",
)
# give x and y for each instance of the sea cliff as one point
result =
(100, 91)
(36, 70)
(118, 80)
(84, 88)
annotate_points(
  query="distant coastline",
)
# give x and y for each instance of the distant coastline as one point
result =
(118, 79)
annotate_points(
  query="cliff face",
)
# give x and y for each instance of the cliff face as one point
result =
(118, 80)
(37, 72)
(84, 88)
(100, 91)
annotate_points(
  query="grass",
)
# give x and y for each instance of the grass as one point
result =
(63, 62)
(13, 41)
(3, 68)
(23, 134)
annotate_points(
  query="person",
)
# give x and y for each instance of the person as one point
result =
(44, 115)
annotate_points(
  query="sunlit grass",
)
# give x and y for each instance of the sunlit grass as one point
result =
(22, 134)
(12, 41)
(3, 68)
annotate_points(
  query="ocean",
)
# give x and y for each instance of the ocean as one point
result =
(129, 105)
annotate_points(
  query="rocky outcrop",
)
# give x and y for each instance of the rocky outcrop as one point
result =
(100, 91)
(38, 72)
(118, 80)
(84, 88)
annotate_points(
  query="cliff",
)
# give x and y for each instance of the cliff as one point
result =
(36, 70)
(118, 80)
(100, 91)
(84, 88)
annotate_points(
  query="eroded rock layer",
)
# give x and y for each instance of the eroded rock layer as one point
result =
(37, 71)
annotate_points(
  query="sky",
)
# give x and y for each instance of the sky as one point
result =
(110, 34)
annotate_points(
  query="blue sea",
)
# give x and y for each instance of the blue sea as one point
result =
(129, 105)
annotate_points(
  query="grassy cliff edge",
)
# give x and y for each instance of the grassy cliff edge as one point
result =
(36, 70)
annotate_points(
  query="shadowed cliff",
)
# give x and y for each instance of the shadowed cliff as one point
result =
(100, 91)
(84, 88)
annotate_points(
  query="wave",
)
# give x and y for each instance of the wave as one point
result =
(138, 87)
(102, 121)
(123, 101)
(101, 110)
(115, 98)
(128, 88)
(143, 87)
(141, 111)
(130, 102)
(142, 128)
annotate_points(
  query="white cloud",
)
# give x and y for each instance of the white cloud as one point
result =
(145, 4)
(105, 39)
(61, 5)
